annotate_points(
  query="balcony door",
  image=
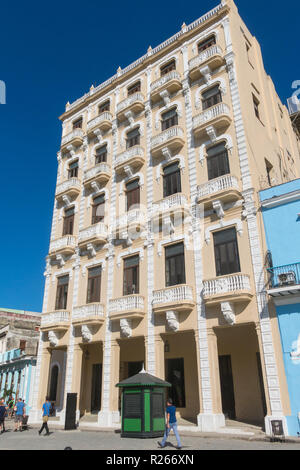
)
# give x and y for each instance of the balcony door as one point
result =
(62, 293)
(94, 285)
(226, 252)
(217, 161)
(131, 275)
(171, 180)
(175, 265)
(68, 225)
(211, 97)
(132, 194)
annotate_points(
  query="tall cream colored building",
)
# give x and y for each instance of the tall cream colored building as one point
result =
(157, 255)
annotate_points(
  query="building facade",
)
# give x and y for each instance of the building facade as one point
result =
(19, 336)
(283, 203)
(156, 255)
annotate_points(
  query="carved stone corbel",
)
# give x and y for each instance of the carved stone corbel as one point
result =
(91, 249)
(167, 153)
(86, 333)
(53, 338)
(228, 312)
(218, 209)
(206, 72)
(211, 132)
(61, 260)
(126, 327)
(172, 320)
(165, 96)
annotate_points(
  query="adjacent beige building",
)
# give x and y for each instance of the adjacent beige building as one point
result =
(157, 253)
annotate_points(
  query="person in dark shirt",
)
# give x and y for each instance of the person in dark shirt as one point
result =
(3, 411)
(171, 424)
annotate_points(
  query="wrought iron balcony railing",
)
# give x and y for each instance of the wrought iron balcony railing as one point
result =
(284, 276)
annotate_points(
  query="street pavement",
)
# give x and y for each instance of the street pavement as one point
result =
(110, 440)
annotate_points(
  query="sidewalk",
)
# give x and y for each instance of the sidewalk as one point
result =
(232, 430)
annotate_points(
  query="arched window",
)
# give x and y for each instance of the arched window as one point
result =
(73, 170)
(104, 107)
(211, 97)
(133, 193)
(98, 209)
(167, 68)
(133, 138)
(211, 41)
(53, 383)
(101, 154)
(135, 88)
(169, 119)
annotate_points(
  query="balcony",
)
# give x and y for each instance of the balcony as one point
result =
(11, 355)
(55, 321)
(74, 138)
(134, 219)
(100, 173)
(170, 82)
(70, 188)
(129, 306)
(217, 116)
(134, 103)
(132, 157)
(101, 123)
(64, 245)
(176, 203)
(94, 234)
(231, 288)
(171, 139)
(89, 314)
(211, 57)
(284, 280)
(176, 298)
(225, 188)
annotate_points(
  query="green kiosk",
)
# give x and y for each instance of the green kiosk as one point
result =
(143, 406)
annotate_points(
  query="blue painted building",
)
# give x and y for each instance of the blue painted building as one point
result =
(19, 336)
(280, 207)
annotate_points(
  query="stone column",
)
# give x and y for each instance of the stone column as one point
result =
(76, 375)
(159, 357)
(43, 383)
(109, 414)
(215, 373)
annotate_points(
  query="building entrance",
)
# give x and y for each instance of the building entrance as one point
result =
(96, 388)
(227, 390)
(175, 376)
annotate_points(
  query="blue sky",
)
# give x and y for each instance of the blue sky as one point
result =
(51, 53)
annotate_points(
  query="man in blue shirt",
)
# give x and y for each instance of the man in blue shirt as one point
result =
(171, 424)
(19, 415)
(46, 413)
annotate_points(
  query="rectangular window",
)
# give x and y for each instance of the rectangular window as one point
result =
(171, 180)
(134, 88)
(211, 97)
(98, 209)
(22, 345)
(77, 124)
(168, 68)
(73, 170)
(133, 138)
(269, 169)
(101, 154)
(175, 266)
(62, 293)
(104, 107)
(94, 285)
(202, 46)
(132, 194)
(131, 275)
(217, 161)
(226, 252)
(169, 119)
(256, 107)
(68, 225)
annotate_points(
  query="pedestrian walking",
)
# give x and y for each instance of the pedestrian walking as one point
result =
(170, 424)
(46, 413)
(11, 405)
(3, 411)
(20, 409)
